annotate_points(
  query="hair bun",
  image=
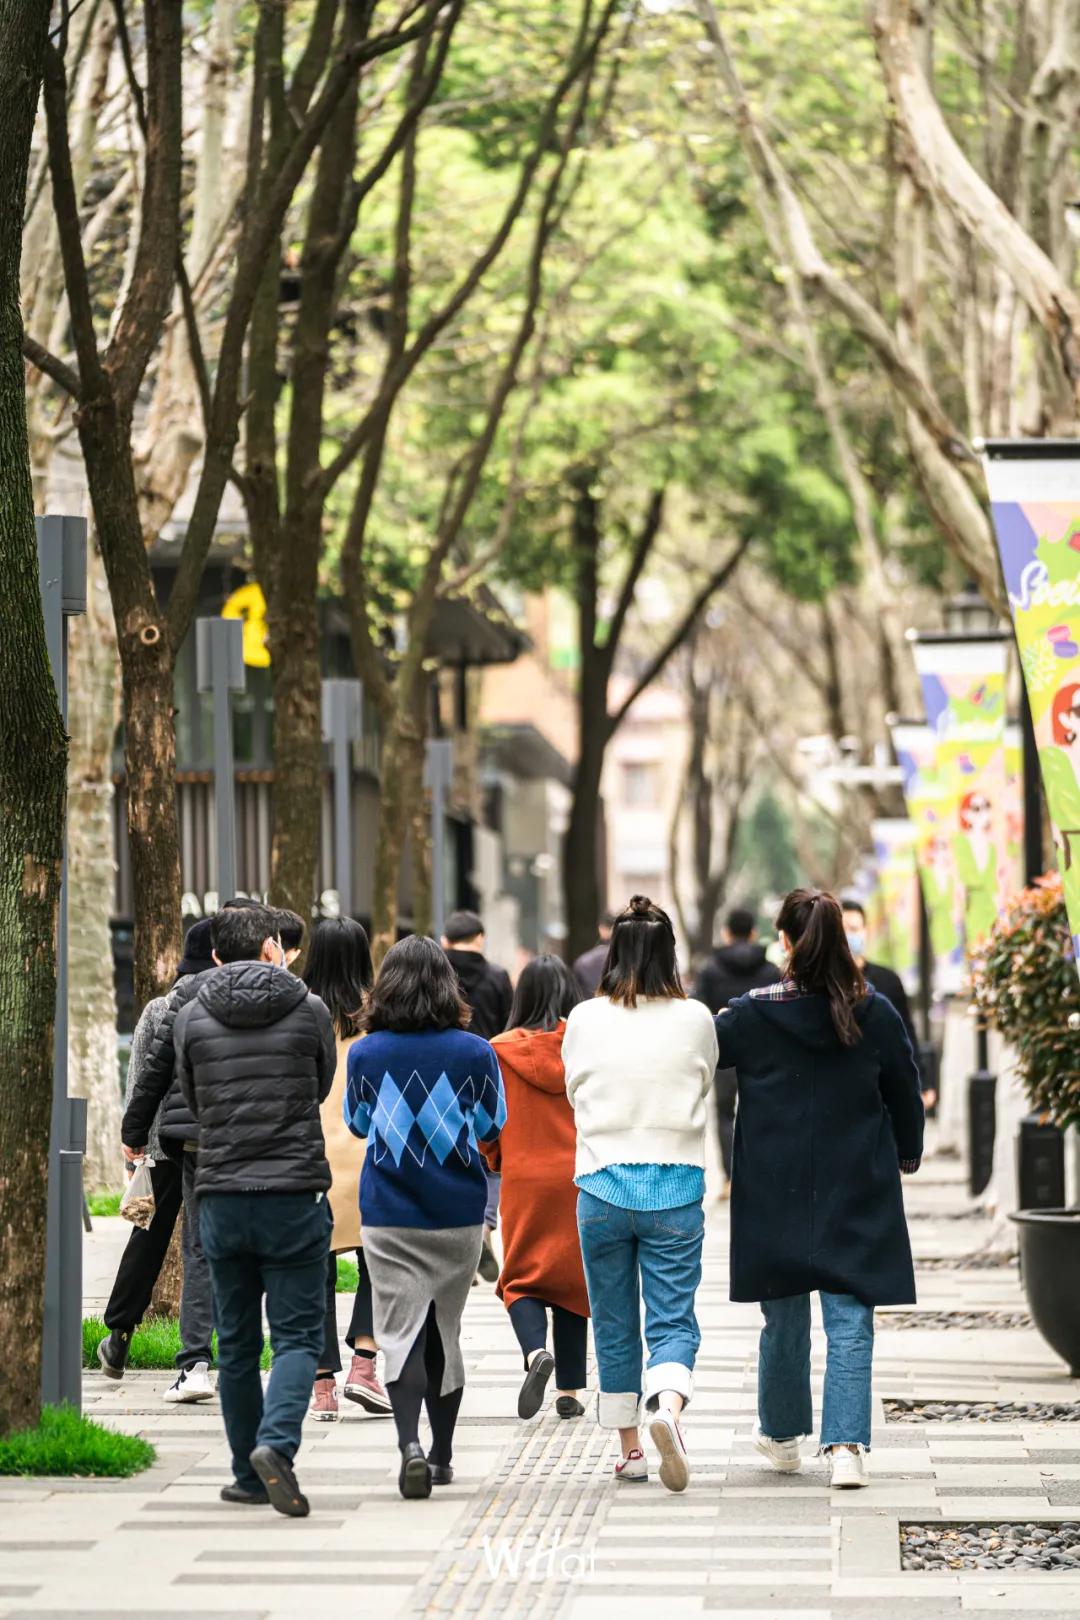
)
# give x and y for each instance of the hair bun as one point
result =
(640, 904)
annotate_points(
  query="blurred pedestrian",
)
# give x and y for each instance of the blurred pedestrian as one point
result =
(339, 971)
(541, 1269)
(737, 966)
(590, 964)
(256, 1057)
(829, 1115)
(884, 980)
(424, 1092)
(639, 1062)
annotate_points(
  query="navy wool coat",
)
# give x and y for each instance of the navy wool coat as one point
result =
(821, 1129)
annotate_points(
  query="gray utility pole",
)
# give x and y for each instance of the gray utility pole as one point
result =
(343, 725)
(219, 669)
(438, 773)
(62, 569)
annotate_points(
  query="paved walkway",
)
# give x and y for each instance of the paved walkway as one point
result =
(533, 1524)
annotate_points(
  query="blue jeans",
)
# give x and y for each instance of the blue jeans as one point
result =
(632, 1255)
(274, 1244)
(785, 1409)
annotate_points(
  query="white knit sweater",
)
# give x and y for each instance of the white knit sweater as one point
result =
(637, 1079)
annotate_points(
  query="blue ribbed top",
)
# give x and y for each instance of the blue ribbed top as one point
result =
(645, 1186)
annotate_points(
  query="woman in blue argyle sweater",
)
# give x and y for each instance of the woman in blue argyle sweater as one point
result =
(424, 1092)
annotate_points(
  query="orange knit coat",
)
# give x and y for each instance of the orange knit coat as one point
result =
(535, 1155)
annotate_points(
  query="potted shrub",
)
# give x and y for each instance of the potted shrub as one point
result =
(1026, 984)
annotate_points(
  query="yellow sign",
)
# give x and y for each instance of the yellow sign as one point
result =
(249, 604)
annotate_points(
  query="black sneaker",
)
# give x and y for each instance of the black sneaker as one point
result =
(568, 1407)
(113, 1353)
(246, 1498)
(414, 1476)
(489, 1265)
(531, 1394)
(277, 1475)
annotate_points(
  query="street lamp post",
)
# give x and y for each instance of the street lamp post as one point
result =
(343, 725)
(219, 670)
(62, 569)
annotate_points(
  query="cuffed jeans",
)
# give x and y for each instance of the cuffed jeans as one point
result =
(272, 1243)
(785, 1409)
(632, 1255)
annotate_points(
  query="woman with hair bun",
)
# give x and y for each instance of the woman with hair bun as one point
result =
(639, 1062)
(829, 1115)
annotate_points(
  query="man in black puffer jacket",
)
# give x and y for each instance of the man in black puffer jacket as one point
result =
(255, 1057)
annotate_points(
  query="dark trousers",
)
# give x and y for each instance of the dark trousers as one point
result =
(420, 1384)
(362, 1321)
(726, 1091)
(144, 1256)
(273, 1244)
(569, 1337)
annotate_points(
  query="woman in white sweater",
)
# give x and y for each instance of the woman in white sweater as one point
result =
(639, 1062)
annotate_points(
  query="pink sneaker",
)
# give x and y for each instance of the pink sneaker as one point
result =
(362, 1386)
(324, 1401)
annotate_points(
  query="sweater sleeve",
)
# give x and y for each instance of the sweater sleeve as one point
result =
(711, 1050)
(900, 1085)
(358, 1099)
(726, 1024)
(489, 1105)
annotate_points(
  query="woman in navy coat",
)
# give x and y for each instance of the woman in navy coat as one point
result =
(829, 1115)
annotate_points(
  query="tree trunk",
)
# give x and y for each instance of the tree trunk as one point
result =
(170, 1282)
(390, 838)
(93, 706)
(33, 769)
(298, 751)
(581, 848)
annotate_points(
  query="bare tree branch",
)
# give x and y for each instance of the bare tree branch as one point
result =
(65, 376)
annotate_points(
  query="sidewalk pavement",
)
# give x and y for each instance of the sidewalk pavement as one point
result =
(534, 1525)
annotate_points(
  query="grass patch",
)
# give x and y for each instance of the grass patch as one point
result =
(65, 1443)
(104, 1203)
(348, 1276)
(154, 1346)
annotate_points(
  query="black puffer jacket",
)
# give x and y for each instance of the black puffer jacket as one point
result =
(157, 1078)
(255, 1055)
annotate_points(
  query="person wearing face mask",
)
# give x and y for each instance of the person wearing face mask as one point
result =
(884, 980)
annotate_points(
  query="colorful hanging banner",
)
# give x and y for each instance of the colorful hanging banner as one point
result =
(963, 683)
(1035, 500)
(894, 849)
(928, 805)
(1014, 804)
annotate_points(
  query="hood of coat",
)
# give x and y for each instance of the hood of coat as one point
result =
(471, 968)
(251, 995)
(743, 959)
(535, 1056)
(806, 1018)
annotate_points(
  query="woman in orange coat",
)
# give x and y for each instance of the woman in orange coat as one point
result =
(542, 1268)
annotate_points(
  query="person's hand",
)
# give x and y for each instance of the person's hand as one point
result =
(131, 1154)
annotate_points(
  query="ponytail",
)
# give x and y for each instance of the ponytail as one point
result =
(821, 962)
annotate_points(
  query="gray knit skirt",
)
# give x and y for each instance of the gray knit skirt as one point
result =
(411, 1270)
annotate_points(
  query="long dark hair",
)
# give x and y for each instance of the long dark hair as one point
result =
(416, 989)
(339, 971)
(545, 994)
(641, 955)
(821, 961)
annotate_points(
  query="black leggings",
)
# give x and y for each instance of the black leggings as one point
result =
(362, 1324)
(569, 1338)
(419, 1385)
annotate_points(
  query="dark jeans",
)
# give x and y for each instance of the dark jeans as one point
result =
(725, 1089)
(569, 1336)
(144, 1256)
(362, 1322)
(273, 1244)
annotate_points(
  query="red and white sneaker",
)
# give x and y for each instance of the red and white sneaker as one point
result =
(363, 1386)
(324, 1401)
(666, 1436)
(634, 1469)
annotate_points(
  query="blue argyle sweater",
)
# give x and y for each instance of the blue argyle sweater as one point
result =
(423, 1101)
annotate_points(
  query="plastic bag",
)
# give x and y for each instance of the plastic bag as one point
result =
(137, 1204)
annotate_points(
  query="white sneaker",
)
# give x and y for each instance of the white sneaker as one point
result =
(193, 1384)
(784, 1455)
(666, 1436)
(634, 1468)
(847, 1469)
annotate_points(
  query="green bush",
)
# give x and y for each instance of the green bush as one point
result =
(65, 1443)
(104, 1203)
(1026, 984)
(348, 1276)
(154, 1345)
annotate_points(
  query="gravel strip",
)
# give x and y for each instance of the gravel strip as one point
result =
(953, 1319)
(969, 1262)
(901, 1410)
(1013, 1547)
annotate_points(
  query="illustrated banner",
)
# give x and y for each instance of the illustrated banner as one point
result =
(894, 849)
(963, 685)
(1035, 500)
(928, 801)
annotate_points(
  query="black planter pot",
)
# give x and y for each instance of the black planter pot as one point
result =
(1050, 1267)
